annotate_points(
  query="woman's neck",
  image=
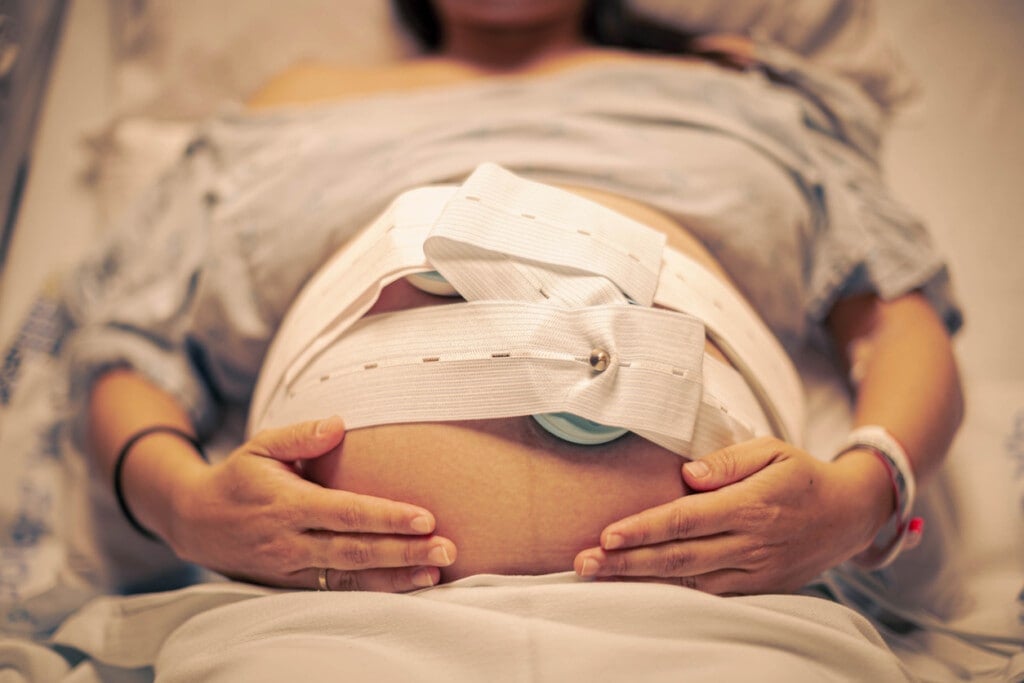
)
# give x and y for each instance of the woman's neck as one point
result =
(502, 49)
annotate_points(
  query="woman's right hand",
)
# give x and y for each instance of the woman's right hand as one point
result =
(253, 517)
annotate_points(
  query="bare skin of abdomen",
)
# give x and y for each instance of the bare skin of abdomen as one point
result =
(513, 498)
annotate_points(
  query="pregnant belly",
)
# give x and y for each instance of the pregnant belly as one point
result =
(513, 498)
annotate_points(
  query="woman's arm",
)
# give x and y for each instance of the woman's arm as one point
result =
(253, 516)
(901, 365)
(768, 516)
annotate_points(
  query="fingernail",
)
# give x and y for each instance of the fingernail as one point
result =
(589, 567)
(424, 578)
(439, 556)
(328, 425)
(613, 541)
(422, 524)
(697, 469)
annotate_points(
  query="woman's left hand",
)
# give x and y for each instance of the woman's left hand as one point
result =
(764, 516)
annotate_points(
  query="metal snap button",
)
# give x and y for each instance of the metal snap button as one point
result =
(599, 359)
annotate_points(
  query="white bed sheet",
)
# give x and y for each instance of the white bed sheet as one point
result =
(956, 157)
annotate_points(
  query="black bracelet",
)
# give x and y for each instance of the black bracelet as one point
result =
(119, 465)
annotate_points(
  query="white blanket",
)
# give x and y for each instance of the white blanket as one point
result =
(485, 628)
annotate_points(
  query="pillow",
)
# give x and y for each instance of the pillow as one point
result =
(181, 59)
(842, 36)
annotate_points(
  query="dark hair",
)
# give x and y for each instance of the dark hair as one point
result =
(605, 22)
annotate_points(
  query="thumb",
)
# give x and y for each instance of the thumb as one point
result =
(301, 441)
(727, 466)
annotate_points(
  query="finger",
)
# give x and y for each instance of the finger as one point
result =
(691, 516)
(385, 580)
(299, 441)
(368, 551)
(380, 580)
(689, 558)
(731, 464)
(343, 511)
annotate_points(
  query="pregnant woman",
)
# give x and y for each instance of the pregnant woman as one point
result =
(768, 190)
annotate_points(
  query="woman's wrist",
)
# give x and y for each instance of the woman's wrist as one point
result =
(157, 473)
(872, 500)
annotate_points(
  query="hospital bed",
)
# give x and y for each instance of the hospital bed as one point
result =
(130, 80)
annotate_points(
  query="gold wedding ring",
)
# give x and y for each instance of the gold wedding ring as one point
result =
(321, 580)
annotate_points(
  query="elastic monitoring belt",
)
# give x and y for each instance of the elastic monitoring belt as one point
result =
(573, 312)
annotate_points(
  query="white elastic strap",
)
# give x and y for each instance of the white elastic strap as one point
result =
(741, 335)
(500, 237)
(345, 288)
(502, 359)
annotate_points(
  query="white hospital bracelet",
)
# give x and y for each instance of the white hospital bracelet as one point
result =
(902, 530)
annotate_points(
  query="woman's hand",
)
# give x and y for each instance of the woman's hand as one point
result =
(253, 517)
(764, 517)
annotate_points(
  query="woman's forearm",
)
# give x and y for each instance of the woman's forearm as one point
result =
(251, 516)
(121, 404)
(904, 373)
